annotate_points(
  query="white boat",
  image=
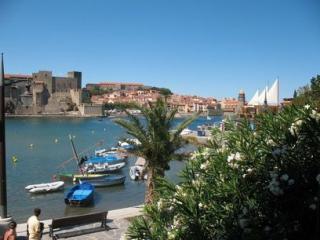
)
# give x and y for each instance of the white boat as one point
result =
(137, 171)
(186, 131)
(103, 167)
(45, 187)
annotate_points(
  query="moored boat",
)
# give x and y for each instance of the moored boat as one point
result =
(103, 167)
(76, 177)
(110, 180)
(137, 172)
(45, 187)
(81, 194)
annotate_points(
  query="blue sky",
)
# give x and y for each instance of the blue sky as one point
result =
(208, 48)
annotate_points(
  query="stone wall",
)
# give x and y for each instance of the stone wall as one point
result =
(90, 109)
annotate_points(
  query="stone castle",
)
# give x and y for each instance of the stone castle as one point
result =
(43, 93)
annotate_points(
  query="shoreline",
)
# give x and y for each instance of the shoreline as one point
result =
(114, 215)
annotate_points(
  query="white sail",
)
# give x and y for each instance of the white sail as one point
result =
(254, 99)
(262, 96)
(273, 94)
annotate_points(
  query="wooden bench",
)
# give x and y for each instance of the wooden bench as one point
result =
(72, 221)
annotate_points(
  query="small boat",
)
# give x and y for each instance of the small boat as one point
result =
(103, 167)
(80, 195)
(137, 171)
(45, 187)
(110, 180)
(113, 152)
(186, 131)
(76, 177)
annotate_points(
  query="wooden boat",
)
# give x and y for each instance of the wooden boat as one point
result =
(110, 180)
(45, 187)
(76, 177)
(80, 195)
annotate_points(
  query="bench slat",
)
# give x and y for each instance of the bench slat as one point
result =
(65, 222)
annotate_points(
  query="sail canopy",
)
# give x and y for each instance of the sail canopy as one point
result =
(271, 95)
(254, 99)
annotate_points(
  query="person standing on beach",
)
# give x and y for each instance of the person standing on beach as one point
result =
(10, 233)
(34, 226)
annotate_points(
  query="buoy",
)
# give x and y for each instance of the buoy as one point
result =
(56, 140)
(31, 145)
(14, 159)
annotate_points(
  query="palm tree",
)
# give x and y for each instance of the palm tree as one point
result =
(158, 142)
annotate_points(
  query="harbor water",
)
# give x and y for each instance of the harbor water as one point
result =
(37, 149)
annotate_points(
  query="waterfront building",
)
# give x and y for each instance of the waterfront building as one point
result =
(43, 93)
(115, 86)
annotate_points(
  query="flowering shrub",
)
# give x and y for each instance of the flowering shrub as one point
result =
(260, 182)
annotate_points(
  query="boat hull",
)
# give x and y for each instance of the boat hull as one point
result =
(45, 187)
(108, 181)
(104, 168)
(80, 195)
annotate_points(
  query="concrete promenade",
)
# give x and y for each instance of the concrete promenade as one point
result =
(117, 219)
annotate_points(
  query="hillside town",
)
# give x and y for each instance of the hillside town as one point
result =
(44, 94)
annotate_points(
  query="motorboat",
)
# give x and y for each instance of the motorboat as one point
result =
(45, 187)
(137, 172)
(81, 194)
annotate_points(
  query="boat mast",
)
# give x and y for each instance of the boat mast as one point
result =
(75, 154)
(3, 177)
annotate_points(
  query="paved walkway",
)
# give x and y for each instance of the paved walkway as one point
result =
(118, 220)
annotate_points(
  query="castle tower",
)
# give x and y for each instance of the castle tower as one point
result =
(242, 98)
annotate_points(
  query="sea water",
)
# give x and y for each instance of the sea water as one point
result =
(37, 149)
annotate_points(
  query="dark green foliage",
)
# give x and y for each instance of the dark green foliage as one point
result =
(251, 183)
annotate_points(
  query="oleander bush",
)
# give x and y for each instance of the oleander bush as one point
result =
(255, 181)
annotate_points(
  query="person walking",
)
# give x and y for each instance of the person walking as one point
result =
(34, 226)
(11, 233)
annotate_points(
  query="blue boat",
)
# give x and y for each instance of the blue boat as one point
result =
(80, 195)
(110, 158)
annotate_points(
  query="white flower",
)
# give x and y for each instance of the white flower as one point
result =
(293, 129)
(178, 188)
(237, 156)
(318, 178)
(284, 177)
(160, 204)
(291, 182)
(307, 106)
(271, 142)
(244, 175)
(315, 115)
(313, 206)
(200, 205)
(299, 122)
(249, 170)
(204, 166)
